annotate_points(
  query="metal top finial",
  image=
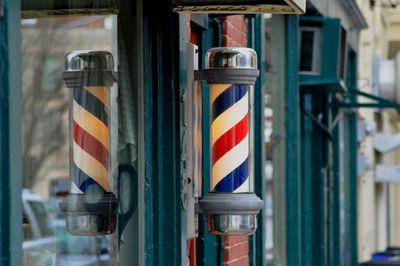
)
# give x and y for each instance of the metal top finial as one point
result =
(89, 60)
(231, 57)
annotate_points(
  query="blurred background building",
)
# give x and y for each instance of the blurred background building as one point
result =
(378, 189)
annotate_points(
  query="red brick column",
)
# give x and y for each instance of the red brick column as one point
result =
(234, 34)
(234, 31)
(236, 252)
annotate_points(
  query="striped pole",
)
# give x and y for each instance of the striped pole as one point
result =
(91, 206)
(90, 146)
(231, 207)
(230, 137)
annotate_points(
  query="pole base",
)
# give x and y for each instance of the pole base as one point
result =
(90, 214)
(91, 225)
(231, 214)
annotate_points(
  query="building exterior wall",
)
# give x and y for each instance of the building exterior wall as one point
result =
(366, 183)
(314, 213)
(378, 203)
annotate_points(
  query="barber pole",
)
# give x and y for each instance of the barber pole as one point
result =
(230, 137)
(231, 207)
(91, 205)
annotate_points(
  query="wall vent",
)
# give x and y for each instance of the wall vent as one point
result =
(310, 50)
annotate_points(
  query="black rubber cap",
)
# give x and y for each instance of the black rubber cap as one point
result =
(84, 204)
(76, 79)
(246, 76)
(231, 203)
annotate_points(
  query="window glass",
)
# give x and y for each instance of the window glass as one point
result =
(39, 211)
(46, 138)
(27, 229)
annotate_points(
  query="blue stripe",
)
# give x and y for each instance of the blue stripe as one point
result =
(234, 179)
(92, 104)
(228, 98)
(83, 182)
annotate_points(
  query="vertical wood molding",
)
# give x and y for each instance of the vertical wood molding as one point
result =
(10, 135)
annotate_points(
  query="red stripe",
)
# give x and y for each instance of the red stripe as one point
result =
(230, 139)
(91, 145)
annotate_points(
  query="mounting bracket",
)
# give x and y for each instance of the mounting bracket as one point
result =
(380, 102)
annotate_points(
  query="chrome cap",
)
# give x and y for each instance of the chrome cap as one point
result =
(231, 225)
(89, 60)
(231, 57)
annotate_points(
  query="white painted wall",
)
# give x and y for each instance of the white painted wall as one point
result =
(378, 204)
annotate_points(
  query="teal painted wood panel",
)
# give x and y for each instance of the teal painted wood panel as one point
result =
(334, 190)
(163, 208)
(292, 129)
(351, 183)
(10, 135)
(278, 82)
(255, 40)
(315, 174)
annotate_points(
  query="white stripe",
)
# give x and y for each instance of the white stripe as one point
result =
(91, 124)
(229, 118)
(245, 187)
(217, 89)
(75, 189)
(91, 166)
(230, 161)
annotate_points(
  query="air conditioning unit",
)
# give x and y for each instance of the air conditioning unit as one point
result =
(323, 54)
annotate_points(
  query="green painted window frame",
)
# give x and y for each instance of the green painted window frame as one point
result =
(10, 135)
(255, 40)
(351, 181)
(164, 61)
(286, 128)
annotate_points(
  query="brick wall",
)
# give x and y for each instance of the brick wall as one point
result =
(236, 252)
(234, 34)
(234, 31)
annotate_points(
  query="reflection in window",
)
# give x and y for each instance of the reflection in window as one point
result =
(42, 220)
(27, 229)
(45, 138)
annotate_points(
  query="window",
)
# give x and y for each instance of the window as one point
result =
(46, 136)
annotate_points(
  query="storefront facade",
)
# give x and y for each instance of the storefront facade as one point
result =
(312, 148)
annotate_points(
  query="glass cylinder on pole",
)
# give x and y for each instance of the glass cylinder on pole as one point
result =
(91, 206)
(231, 206)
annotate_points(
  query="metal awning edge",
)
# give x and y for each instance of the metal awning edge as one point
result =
(355, 13)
